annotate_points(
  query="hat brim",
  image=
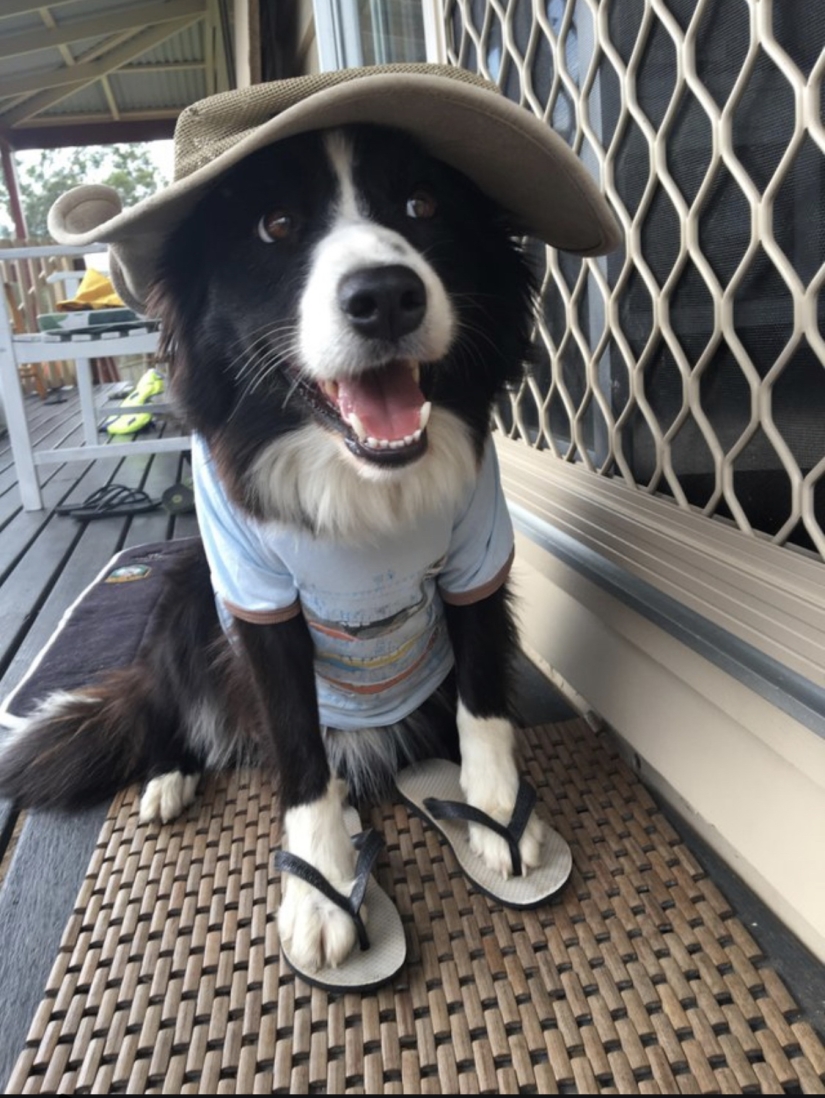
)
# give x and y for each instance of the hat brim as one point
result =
(511, 155)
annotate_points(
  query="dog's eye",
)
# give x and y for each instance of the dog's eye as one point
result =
(275, 226)
(421, 204)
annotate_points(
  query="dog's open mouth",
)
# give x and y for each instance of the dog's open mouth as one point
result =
(382, 412)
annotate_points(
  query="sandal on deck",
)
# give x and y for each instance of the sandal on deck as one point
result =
(111, 500)
(383, 946)
(432, 789)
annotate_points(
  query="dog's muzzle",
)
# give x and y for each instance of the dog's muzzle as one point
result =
(381, 411)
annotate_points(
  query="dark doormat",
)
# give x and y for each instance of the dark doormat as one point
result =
(103, 629)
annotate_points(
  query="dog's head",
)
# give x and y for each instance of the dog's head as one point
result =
(343, 293)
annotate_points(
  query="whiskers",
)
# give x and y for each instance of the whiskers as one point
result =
(255, 360)
(471, 352)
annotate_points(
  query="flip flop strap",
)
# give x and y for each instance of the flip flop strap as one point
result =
(113, 495)
(369, 844)
(122, 496)
(511, 832)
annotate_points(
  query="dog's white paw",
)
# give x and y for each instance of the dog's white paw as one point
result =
(490, 782)
(165, 797)
(496, 852)
(316, 932)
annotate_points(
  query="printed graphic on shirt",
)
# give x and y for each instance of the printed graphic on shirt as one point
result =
(386, 634)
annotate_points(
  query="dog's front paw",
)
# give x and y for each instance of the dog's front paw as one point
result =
(315, 931)
(494, 849)
(490, 781)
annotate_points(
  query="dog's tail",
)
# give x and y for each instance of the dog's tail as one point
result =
(81, 747)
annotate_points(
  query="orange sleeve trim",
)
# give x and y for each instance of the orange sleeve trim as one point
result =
(265, 617)
(467, 598)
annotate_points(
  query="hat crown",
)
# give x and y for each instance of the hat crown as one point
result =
(209, 127)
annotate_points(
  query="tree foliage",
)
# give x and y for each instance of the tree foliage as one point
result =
(44, 176)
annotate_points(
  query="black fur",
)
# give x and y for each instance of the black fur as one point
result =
(219, 295)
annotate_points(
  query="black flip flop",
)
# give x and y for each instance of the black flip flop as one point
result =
(383, 946)
(111, 500)
(432, 789)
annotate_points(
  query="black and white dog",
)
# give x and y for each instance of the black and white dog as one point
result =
(341, 311)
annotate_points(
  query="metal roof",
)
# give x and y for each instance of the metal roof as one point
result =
(76, 72)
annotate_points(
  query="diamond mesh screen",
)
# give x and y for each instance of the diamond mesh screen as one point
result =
(690, 363)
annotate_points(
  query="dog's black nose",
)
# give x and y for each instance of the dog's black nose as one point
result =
(383, 302)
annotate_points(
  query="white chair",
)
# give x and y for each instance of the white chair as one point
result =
(18, 350)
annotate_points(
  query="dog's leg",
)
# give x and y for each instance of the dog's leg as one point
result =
(281, 656)
(484, 642)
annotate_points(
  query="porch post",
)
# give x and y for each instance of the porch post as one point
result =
(16, 422)
(10, 179)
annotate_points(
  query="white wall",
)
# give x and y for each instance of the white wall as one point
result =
(749, 778)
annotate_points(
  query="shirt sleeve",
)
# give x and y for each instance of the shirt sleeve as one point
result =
(481, 548)
(248, 576)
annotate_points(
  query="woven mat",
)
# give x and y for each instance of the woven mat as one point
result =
(639, 979)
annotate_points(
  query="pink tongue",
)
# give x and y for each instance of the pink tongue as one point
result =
(387, 401)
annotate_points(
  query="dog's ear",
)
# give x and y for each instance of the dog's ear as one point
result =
(160, 306)
(192, 353)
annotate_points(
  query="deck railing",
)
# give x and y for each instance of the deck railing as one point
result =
(26, 293)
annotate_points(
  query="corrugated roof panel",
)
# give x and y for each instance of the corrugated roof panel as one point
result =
(186, 45)
(88, 100)
(86, 9)
(135, 92)
(17, 24)
(63, 14)
(78, 49)
(167, 89)
(31, 63)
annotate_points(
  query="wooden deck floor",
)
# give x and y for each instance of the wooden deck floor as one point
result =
(46, 561)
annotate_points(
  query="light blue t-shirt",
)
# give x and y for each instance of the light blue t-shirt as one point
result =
(375, 611)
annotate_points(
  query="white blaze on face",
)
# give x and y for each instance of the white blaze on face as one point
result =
(329, 347)
(315, 474)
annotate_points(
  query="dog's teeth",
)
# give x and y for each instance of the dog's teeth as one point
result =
(416, 435)
(408, 440)
(377, 443)
(397, 443)
(424, 415)
(416, 372)
(357, 426)
(331, 389)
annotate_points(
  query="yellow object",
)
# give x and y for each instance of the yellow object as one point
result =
(94, 292)
(150, 385)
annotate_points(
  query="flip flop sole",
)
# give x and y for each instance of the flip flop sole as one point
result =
(439, 778)
(364, 970)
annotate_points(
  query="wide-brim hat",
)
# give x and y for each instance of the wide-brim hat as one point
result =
(458, 117)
